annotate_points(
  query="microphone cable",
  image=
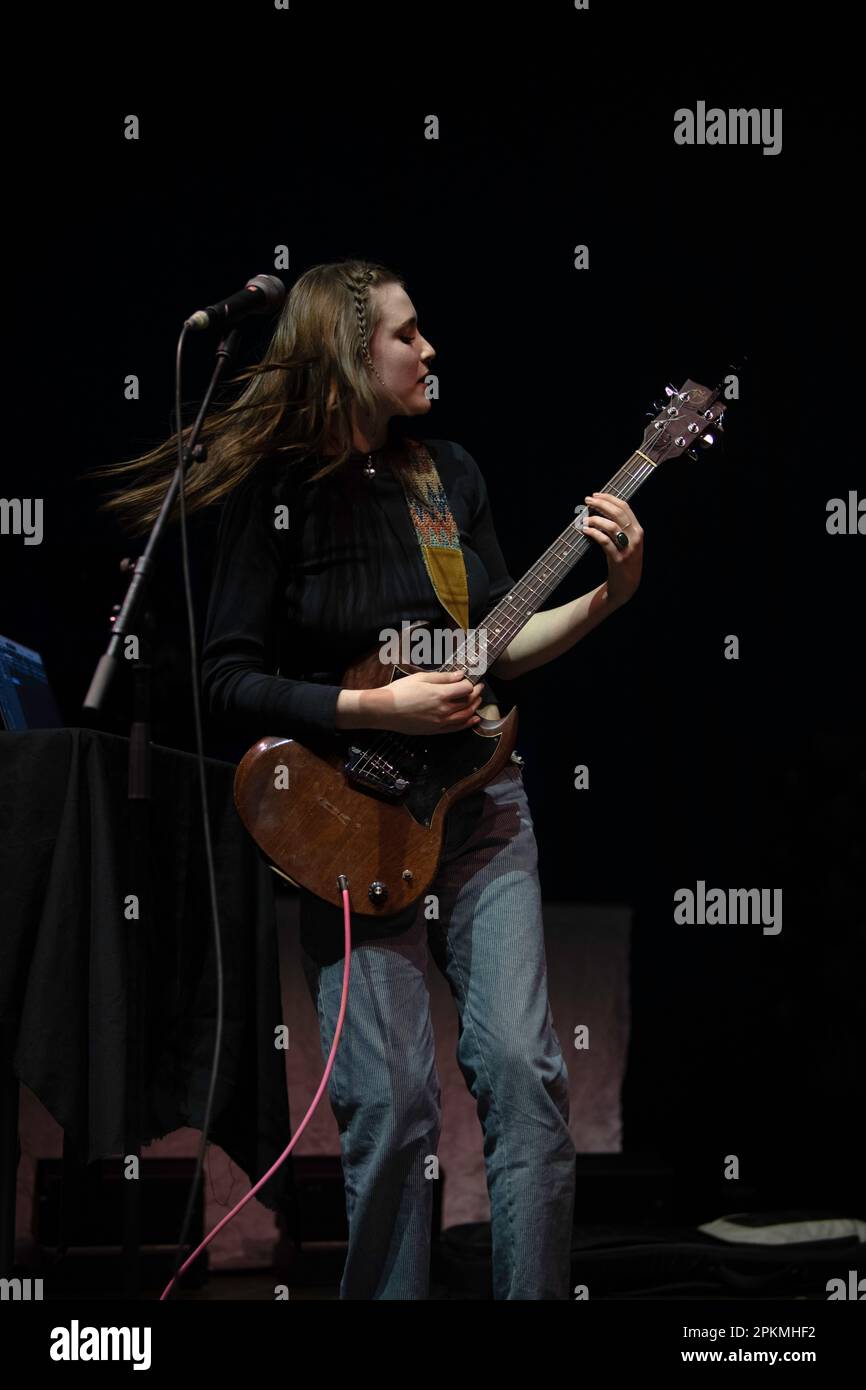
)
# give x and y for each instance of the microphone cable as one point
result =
(208, 844)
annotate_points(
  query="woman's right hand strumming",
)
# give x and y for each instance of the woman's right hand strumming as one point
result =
(425, 702)
(430, 702)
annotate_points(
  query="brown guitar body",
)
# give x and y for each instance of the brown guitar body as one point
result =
(313, 819)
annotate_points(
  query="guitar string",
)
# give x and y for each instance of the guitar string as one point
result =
(514, 621)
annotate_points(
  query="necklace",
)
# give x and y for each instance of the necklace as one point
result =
(369, 469)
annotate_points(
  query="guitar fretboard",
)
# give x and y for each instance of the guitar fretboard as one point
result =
(512, 612)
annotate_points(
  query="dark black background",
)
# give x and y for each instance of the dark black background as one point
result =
(306, 128)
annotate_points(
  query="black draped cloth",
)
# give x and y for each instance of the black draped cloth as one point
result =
(64, 882)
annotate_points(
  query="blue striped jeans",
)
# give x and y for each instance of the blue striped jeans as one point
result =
(384, 1089)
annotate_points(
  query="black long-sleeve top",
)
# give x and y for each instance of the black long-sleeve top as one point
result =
(291, 608)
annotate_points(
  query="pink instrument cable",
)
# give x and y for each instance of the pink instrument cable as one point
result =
(344, 888)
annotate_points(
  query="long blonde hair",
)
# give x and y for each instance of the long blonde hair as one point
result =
(299, 397)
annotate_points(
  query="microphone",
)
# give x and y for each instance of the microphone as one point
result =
(264, 294)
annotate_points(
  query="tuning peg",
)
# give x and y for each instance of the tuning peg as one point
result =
(707, 441)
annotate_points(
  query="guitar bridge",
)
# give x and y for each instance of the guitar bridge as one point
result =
(375, 773)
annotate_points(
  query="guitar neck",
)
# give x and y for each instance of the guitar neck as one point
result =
(513, 612)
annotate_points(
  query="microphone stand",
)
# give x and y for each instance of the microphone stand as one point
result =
(138, 797)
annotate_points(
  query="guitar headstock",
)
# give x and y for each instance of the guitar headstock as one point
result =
(691, 416)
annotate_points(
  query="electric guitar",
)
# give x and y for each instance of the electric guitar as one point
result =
(371, 803)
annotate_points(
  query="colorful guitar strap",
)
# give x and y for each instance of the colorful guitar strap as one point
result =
(437, 534)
